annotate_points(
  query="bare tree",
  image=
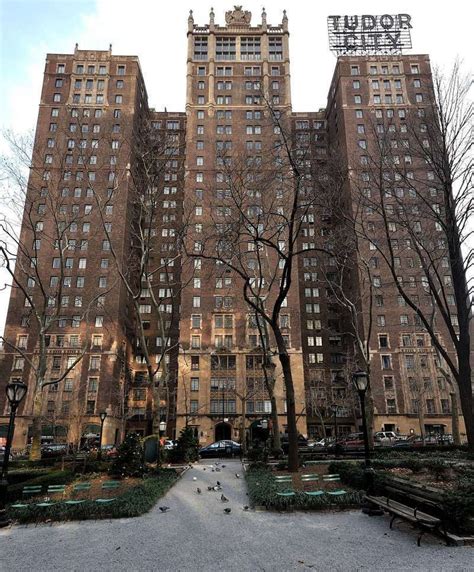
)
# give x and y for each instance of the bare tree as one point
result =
(151, 273)
(421, 201)
(255, 232)
(35, 185)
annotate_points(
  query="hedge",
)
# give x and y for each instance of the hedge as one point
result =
(134, 502)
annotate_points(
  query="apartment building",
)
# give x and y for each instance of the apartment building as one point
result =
(202, 339)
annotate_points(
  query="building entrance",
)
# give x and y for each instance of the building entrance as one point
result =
(222, 431)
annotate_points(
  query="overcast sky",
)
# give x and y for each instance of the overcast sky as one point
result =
(155, 31)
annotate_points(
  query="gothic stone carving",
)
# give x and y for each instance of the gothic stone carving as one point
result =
(238, 16)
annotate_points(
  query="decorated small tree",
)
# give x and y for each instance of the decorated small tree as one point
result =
(129, 460)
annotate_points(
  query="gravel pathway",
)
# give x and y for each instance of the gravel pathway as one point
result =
(196, 534)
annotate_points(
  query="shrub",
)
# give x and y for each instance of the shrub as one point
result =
(129, 460)
(256, 454)
(134, 502)
(352, 473)
(187, 448)
(19, 476)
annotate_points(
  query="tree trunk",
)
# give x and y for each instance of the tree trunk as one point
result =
(293, 462)
(421, 420)
(455, 418)
(35, 451)
(369, 411)
(465, 394)
(276, 440)
(155, 424)
(243, 440)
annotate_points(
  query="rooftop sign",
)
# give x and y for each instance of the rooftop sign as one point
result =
(386, 34)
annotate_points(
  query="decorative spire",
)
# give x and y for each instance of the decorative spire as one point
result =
(211, 17)
(190, 21)
(264, 17)
(285, 21)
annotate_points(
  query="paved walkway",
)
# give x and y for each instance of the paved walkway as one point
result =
(196, 535)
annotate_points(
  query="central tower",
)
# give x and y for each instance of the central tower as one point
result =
(238, 76)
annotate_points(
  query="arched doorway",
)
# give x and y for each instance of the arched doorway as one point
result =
(222, 431)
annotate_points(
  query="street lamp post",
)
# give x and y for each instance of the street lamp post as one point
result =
(102, 416)
(361, 383)
(360, 380)
(334, 408)
(15, 391)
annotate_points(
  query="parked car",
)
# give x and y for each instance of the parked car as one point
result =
(110, 451)
(169, 444)
(352, 441)
(302, 442)
(221, 449)
(54, 450)
(322, 443)
(416, 441)
(445, 439)
(385, 438)
(2, 454)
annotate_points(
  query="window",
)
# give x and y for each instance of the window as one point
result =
(355, 70)
(225, 48)
(388, 383)
(391, 406)
(386, 361)
(120, 70)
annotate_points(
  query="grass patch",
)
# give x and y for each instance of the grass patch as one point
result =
(263, 490)
(135, 501)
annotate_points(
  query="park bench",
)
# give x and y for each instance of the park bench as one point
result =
(413, 504)
(287, 481)
(334, 478)
(78, 488)
(311, 478)
(107, 486)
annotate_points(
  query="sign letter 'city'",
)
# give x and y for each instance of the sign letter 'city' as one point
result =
(368, 34)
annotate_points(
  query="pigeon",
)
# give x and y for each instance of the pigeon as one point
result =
(227, 510)
(164, 508)
(224, 498)
(218, 483)
(204, 468)
(223, 466)
(218, 470)
(246, 507)
(237, 476)
(212, 470)
(210, 488)
(194, 478)
(216, 463)
(198, 490)
(217, 488)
